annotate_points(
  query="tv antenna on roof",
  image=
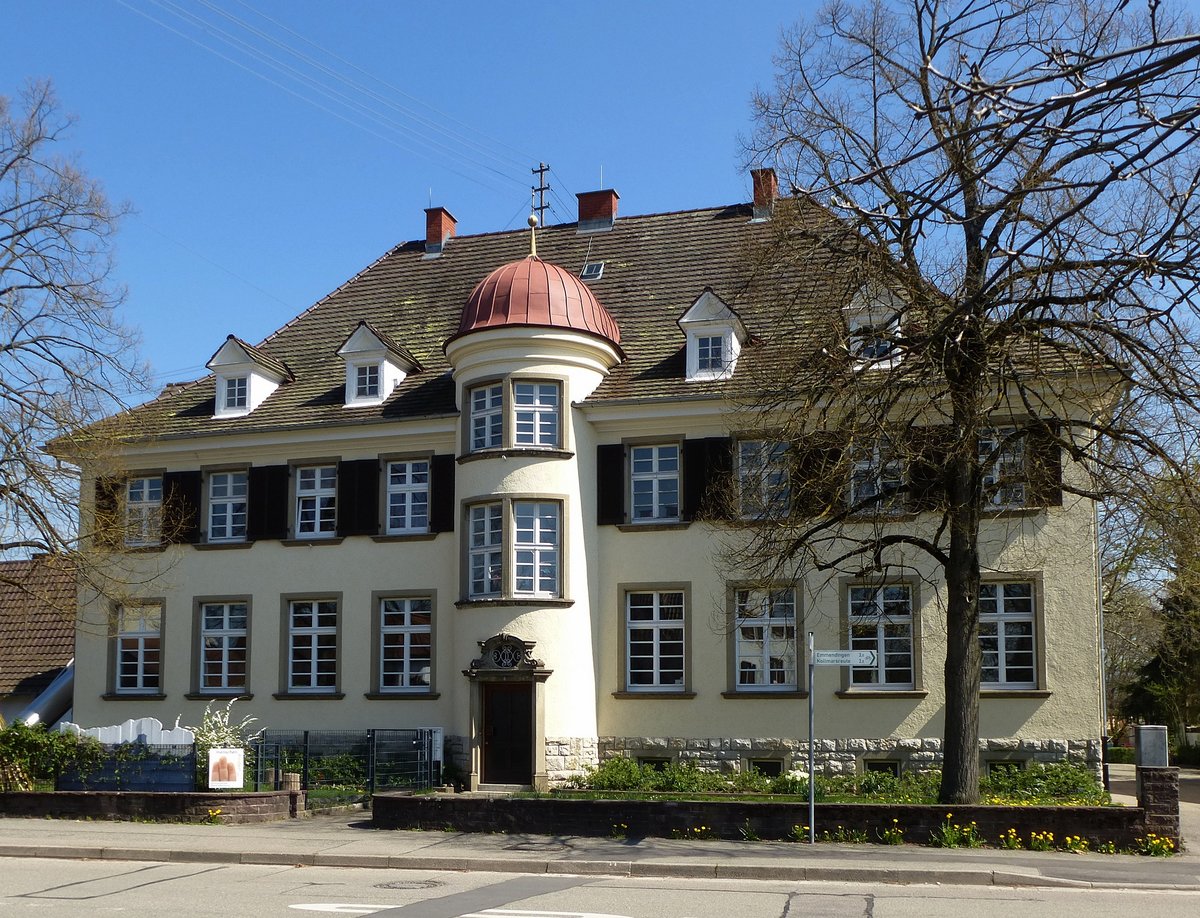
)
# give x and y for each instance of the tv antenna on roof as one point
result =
(540, 190)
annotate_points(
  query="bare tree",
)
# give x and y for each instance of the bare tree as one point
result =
(65, 358)
(1010, 190)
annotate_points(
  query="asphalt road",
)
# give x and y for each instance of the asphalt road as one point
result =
(33, 888)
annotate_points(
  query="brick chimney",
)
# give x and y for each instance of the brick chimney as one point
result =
(597, 210)
(439, 226)
(766, 190)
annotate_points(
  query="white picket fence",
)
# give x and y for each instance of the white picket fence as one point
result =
(143, 730)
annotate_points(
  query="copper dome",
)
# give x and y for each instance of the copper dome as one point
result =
(535, 292)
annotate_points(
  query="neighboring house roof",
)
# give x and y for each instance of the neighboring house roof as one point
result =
(656, 266)
(37, 622)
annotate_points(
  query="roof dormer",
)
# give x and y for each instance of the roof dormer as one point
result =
(715, 335)
(873, 327)
(245, 377)
(375, 365)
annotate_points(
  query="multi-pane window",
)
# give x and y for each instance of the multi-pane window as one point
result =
(487, 417)
(1006, 635)
(764, 482)
(876, 477)
(710, 353)
(765, 639)
(654, 641)
(881, 620)
(485, 552)
(408, 496)
(223, 646)
(139, 649)
(536, 414)
(1002, 457)
(654, 482)
(366, 380)
(237, 391)
(312, 645)
(227, 506)
(873, 337)
(405, 644)
(143, 511)
(316, 501)
(536, 550)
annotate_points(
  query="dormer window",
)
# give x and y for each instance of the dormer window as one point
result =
(375, 365)
(237, 393)
(873, 328)
(245, 377)
(715, 336)
(366, 381)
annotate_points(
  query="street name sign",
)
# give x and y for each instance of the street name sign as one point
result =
(845, 658)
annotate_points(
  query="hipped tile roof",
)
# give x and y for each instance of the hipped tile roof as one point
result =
(37, 622)
(655, 267)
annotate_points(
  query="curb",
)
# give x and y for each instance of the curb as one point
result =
(896, 876)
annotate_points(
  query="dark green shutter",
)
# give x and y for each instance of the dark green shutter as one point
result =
(441, 493)
(267, 503)
(106, 526)
(611, 499)
(181, 507)
(707, 477)
(1043, 460)
(358, 497)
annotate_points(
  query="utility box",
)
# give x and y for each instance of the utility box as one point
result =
(1151, 746)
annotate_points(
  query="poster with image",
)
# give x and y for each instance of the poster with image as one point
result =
(226, 768)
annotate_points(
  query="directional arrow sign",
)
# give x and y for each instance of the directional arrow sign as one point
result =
(845, 658)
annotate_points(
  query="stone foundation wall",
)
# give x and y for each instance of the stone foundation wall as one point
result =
(166, 807)
(567, 755)
(841, 756)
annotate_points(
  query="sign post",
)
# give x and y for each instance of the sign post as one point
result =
(825, 658)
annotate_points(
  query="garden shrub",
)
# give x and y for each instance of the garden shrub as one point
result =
(1057, 783)
(41, 755)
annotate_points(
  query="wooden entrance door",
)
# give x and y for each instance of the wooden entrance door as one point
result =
(507, 732)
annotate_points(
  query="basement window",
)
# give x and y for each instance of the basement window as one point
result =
(592, 270)
(883, 766)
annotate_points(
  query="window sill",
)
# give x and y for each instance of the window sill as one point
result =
(406, 537)
(654, 526)
(309, 696)
(1010, 513)
(143, 549)
(659, 695)
(792, 693)
(220, 546)
(1015, 693)
(881, 693)
(516, 452)
(333, 540)
(133, 696)
(514, 601)
(402, 696)
(219, 696)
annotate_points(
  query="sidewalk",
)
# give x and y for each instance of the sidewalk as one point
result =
(350, 841)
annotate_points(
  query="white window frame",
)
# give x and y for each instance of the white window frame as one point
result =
(1005, 472)
(706, 360)
(537, 414)
(318, 638)
(485, 550)
(656, 481)
(368, 382)
(317, 500)
(406, 644)
(227, 491)
(236, 393)
(138, 649)
(758, 614)
(996, 613)
(668, 614)
(537, 548)
(876, 475)
(485, 417)
(764, 478)
(407, 502)
(881, 618)
(223, 638)
(144, 510)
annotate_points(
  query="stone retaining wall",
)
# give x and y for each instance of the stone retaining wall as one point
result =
(164, 807)
(1158, 812)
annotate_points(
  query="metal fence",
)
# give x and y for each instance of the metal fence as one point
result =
(336, 766)
(134, 767)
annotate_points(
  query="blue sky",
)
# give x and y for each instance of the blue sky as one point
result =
(273, 149)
